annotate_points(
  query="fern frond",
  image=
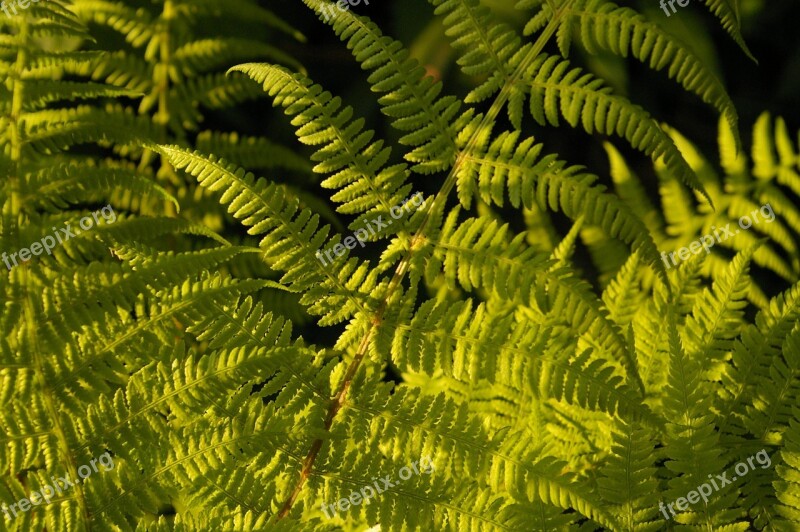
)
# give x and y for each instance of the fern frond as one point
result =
(631, 190)
(623, 296)
(292, 237)
(134, 24)
(216, 91)
(717, 316)
(40, 92)
(628, 479)
(582, 101)
(59, 185)
(412, 99)
(788, 488)
(692, 446)
(759, 344)
(777, 389)
(348, 152)
(488, 48)
(548, 181)
(604, 26)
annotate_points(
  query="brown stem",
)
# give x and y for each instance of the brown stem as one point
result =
(419, 236)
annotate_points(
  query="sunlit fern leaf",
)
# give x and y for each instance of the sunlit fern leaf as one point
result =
(292, 237)
(623, 296)
(762, 199)
(115, 68)
(628, 479)
(692, 445)
(411, 98)
(548, 182)
(583, 101)
(474, 339)
(488, 48)
(48, 19)
(43, 92)
(758, 344)
(604, 26)
(41, 128)
(176, 54)
(121, 286)
(356, 162)
(774, 155)
(217, 91)
(748, 203)
(153, 229)
(62, 184)
(51, 131)
(134, 24)
(769, 414)
(489, 261)
(565, 250)
(788, 469)
(717, 317)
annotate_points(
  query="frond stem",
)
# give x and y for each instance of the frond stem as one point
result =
(417, 239)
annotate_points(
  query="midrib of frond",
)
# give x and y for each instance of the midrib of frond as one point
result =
(164, 63)
(403, 265)
(17, 100)
(689, 422)
(49, 400)
(29, 313)
(163, 88)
